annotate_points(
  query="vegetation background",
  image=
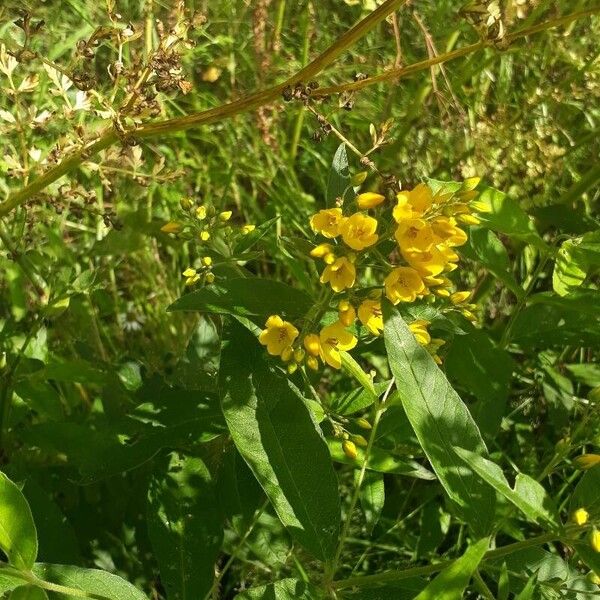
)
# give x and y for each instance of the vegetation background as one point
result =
(93, 364)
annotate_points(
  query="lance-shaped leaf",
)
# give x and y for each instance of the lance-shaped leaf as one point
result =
(440, 420)
(452, 581)
(274, 432)
(18, 537)
(184, 526)
(527, 495)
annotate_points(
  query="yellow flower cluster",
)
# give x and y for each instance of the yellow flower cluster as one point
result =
(426, 231)
(415, 242)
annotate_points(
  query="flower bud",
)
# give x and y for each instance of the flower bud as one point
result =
(359, 440)
(185, 203)
(363, 423)
(359, 178)
(206, 261)
(459, 297)
(210, 277)
(586, 461)
(595, 540)
(287, 354)
(171, 227)
(468, 219)
(201, 213)
(321, 250)
(299, 355)
(580, 516)
(313, 363)
(246, 229)
(292, 368)
(312, 343)
(225, 215)
(369, 200)
(349, 449)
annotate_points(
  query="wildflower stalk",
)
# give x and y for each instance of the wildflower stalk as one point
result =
(260, 98)
(379, 410)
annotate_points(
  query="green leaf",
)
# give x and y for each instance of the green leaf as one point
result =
(170, 418)
(506, 216)
(485, 371)
(184, 526)
(339, 176)
(286, 589)
(587, 373)
(484, 247)
(380, 460)
(28, 592)
(274, 432)
(552, 320)
(249, 297)
(586, 493)
(372, 497)
(93, 581)
(439, 418)
(528, 495)
(406, 589)
(452, 581)
(239, 494)
(354, 369)
(358, 399)
(18, 537)
(56, 537)
(575, 260)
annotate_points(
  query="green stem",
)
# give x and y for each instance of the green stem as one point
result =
(379, 410)
(430, 569)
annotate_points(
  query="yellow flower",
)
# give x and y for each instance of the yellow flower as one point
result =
(324, 251)
(369, 313)
(402, 210)
(278, 335)
(312, 344)
(191, 276)
(206, 261)
(428, 264)
(403, 284)
(358, 231)
(419, 329)
(225, 215)
(580, 516)
(204, 236)
(246, 229)
(334, 338)
(369, 200)
(445, 228)
(201, 212)
(586, 461)
(327, 222)
(459, 297)
(415, 235)
(340, 275)
(346, 313)
(419, 199)
(595, 540)
(171, 227)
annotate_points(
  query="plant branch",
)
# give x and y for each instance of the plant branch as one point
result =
(434, 568)
(268, 95)
(206, 117)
